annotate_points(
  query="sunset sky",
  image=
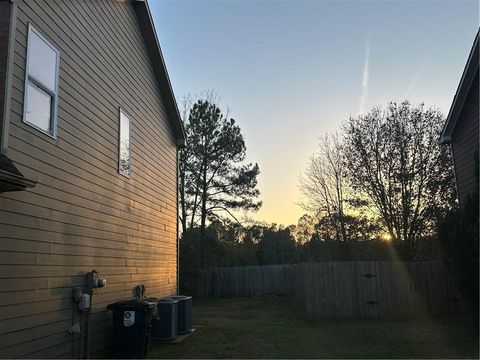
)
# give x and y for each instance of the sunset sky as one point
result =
(291, 71)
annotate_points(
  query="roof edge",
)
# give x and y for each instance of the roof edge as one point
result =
(11, 179)
(148, 28)
(469, 72)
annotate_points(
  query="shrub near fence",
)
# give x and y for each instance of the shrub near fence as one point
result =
(245, 281)
(375, 289)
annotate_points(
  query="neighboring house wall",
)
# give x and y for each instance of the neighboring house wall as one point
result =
(83, 214)
(465, 142)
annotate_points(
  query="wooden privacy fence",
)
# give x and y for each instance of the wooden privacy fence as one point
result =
(347, 289)
(244, 281)
(375, 289)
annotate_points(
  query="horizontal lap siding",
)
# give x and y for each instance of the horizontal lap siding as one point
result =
(82, 214)
(465, 140)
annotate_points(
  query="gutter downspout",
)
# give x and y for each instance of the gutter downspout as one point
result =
(177, 235)
(8, 77)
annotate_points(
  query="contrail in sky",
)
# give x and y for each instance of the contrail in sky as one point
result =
(364, 95)
(418, 73)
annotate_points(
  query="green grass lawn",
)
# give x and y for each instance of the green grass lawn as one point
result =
(271, 328)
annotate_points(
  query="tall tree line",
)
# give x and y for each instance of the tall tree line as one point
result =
(381, 176)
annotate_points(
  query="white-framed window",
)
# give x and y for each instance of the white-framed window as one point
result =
(124, 157)
(41, 83)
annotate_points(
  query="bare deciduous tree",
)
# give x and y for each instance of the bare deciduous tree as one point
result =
(323, 184)
(392, 156)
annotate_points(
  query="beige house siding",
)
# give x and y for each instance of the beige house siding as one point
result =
(465, 142)
(83, 214)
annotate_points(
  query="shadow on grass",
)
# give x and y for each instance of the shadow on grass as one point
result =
(271, 327)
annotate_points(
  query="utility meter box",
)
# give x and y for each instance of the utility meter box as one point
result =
(84, 303)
